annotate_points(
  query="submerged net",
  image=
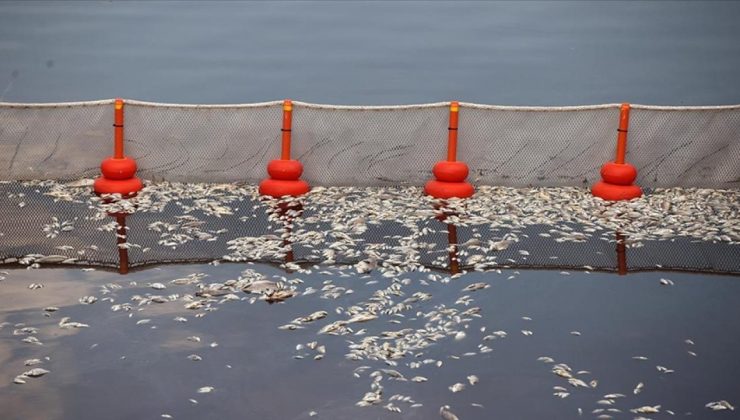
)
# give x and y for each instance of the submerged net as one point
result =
(398, 228)
(374, 146)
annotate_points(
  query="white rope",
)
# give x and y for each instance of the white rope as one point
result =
(372, 107)
(55, 104)
(539, 108)
(202, 106)
(687, 108)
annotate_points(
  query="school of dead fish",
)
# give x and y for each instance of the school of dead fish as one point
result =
(330, 228)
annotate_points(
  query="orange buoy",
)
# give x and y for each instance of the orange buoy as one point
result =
(285, 172)
(618, 177)
(118, 171)
(450, 174)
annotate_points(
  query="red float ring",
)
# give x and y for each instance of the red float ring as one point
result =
(450, 171)
(285, 169)
(441, 189)
(618, 173)
(113, 168)
(613, 192)
(280, 187)
(125, 187)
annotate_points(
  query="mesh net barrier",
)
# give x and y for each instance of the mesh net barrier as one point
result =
(531, 166)
(374, 146)
(63, 141)
(50, 223)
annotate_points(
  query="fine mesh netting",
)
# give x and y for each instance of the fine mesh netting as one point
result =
(217, 144)
(397, 228)
(697, 147)
(374, 146)
(62, 141)
(527, 147)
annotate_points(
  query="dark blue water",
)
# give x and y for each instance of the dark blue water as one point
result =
(528, 53)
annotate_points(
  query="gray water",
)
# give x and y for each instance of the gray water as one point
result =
(116, 369)
(528, 53)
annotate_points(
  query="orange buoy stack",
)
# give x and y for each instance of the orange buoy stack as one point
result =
(450, 174)
(284, 173)
(618, 177)
(119, 171)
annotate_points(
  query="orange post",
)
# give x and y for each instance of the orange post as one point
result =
(624, 122)
(287, 122)
(450, 174)
(452, 132)
(119, 171)
(618, 176)
(118, 128)
(284, 173)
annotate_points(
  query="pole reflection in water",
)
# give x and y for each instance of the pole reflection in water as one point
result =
(454, 262)
(121, 238)
(621, 254)
(287, 212)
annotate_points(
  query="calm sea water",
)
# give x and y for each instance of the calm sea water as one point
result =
(123, 368)
(528, 53)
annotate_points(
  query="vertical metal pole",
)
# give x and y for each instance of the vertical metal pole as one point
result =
(452, 243)
(118, 128)
(452, 132)
(624, 122)
(287, 122)
(121, 238)
(621, 255)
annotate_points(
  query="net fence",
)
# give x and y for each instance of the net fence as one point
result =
(530, 164)
(374, 146)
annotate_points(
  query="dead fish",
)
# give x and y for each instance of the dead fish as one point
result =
(51, 259)
(205, 389)
(158, 286)
(35, 373)
(476, 286)
(638, 388)
(647, 409)
(473, 379)
(666, 282)
(279, 295)
(720, 405)
(87, 300)
(65, 323)
(195, 358)
(446, 414)
(457, 387)
(312, 317)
